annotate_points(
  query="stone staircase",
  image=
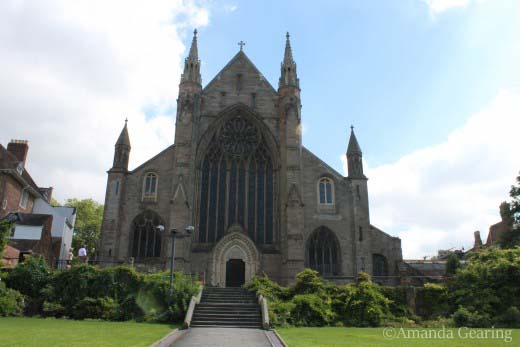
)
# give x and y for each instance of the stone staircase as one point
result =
(227, 308)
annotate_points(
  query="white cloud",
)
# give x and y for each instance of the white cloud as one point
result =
(434, 198)
(73, 70)
(438, 6)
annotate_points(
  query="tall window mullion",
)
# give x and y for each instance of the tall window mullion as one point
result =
(251, 222)
(222, 199)
(212, 220)
(260, 225)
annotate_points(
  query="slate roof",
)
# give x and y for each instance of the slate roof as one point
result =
(9, 163)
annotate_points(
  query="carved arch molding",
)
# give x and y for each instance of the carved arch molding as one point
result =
(234, 245)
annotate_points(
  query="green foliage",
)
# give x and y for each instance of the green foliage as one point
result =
(272, 291)
(435, 301)
(5, 231)
(365, 306)
(11, 302)
(398, 305)
(29, 278)
(52, 309)
(117, 293)
(488, 286)
(308, 282)
(510, 213)
(510, 318)
(310, 310)
(96, 308)
(452, 264)
(471, 318)
(163, 304)
(88, 222)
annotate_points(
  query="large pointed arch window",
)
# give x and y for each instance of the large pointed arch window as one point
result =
(146, 240)
(237, 184)
(380, 265)
(323, 252)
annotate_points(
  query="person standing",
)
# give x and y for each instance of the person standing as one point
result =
(82, 254)
(70, 256)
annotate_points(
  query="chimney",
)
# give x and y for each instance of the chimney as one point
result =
(19, 149)
(47, 193)
(478, 241)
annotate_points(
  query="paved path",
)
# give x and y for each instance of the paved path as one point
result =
(222, 337)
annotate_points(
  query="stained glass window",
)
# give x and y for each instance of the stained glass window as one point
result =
(146, 240)
(323, 251)
(244, 192)
(380, 267)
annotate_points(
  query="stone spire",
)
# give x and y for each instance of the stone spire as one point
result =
(287, 57)
(353, 145)
(354, 157)
(192, 63)
(122, 149)
(124, 138)
(288, 77)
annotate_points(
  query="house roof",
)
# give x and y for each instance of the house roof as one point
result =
(9, 163)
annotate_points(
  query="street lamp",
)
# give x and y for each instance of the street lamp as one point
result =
(174, 234)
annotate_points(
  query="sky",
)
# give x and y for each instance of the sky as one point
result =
(431, 86)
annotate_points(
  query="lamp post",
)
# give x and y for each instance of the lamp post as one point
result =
(174, 234)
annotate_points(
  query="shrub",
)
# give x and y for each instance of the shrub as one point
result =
(53, 309)
(280, 313)
(11, 302)
(30, 276)
(310, 310)
(166, 305)
(96, 308)
(435, 301)
(473, 319)
(272, 291)
(510, 318)
(308, 282)
(398, 305)
(71, 286)
(365, 305)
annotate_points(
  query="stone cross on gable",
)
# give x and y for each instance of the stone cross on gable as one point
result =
(241, 44)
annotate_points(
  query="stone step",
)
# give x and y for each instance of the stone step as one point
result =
(227, 319)
(231, 323)
(225, 326)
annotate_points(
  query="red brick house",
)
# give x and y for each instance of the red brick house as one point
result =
(33, 233)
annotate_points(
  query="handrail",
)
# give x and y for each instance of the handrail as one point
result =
(195, 300)
(265, 311)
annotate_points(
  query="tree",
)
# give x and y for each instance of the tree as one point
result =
(510, 213)
(5, 231)
(89, 214)
(452, 264)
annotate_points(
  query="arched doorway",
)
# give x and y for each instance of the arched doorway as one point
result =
(234, 258)
(323, 252)
(235, 273)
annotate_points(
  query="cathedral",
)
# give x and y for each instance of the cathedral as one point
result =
(240, 193)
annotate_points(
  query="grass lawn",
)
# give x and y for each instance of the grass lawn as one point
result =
(373, 337)
(62, 332)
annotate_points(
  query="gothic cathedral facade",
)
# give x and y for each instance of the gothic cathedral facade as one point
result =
(259, 202)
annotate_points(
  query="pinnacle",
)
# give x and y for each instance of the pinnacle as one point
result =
(288, 57)
(194, 51)
(124, 138)
(353, 145)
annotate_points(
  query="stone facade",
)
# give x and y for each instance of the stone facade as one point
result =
(239, 174)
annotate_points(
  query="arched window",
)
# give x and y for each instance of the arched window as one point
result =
(325, 191)
(150, 186)
(323, 252)
(146, 235)
(237, 184)
(379, 265)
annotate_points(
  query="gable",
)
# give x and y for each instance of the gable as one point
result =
(239, 82)
(154, 163)
(313, 163)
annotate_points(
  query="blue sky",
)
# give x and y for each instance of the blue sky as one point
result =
(403, 76)
(432, 87)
